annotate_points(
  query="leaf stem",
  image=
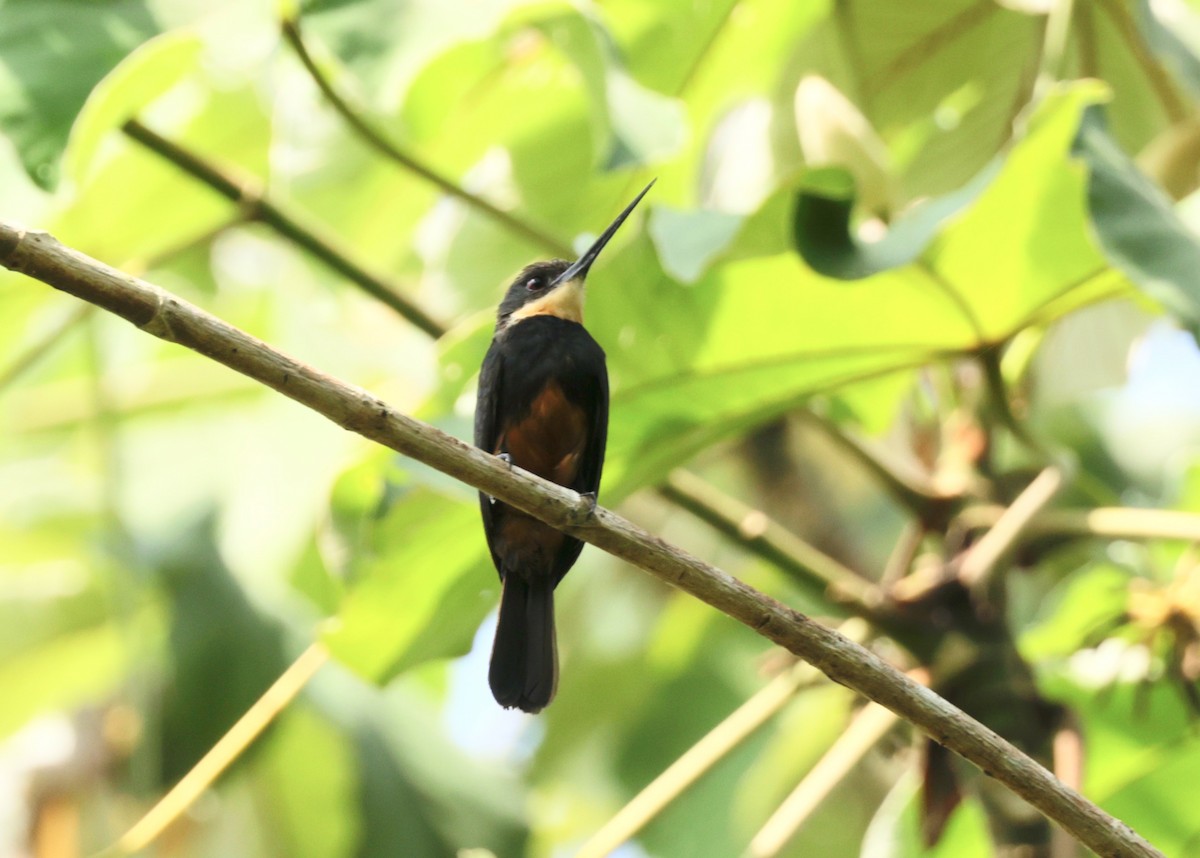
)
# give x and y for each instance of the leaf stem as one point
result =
(983, 557)
(997, 391)
(244, 193)
(290, 26)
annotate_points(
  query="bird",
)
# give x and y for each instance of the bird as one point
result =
(542, 406)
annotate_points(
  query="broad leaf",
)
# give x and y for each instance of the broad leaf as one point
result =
(52, 52)
(1137, 227)
(425, 583)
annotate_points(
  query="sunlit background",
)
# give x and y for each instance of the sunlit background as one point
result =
(173, 535)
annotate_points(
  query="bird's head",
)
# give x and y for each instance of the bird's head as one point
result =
(555, 288)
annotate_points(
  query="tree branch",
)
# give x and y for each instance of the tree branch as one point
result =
(231, 746)
(291, 34)
(170, 318)
(982, 557)
(699, 759)
(244, 193)
(1102, 522)
(915, 492)
(811, 568)
(865, 730)
(997, 390)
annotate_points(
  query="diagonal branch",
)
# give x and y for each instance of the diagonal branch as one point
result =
(982, 557)
(258, 207)
(816, 571)
(699, 759)
(915, 492)
(170, 318)
(1098, 522)
(863, 733)
(372, 136)
(222, 755)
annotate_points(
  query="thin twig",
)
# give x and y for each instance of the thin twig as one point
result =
(697, 760)
(1052, 65)
(997, 391)
(818, 572)
(230, 746)
(865, 730)
(1102, 522)
(912, 491)
(246, 194)
(168, 317)
(984, 555)
(900, 560)
(41, 347)
(1069, 757)
(372, 136)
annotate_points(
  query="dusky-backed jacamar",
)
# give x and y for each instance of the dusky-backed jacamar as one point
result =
(542, 406)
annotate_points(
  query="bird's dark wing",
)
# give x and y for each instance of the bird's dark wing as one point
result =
(488, 398)
(491, 381)
(593, 389)
(588, 479)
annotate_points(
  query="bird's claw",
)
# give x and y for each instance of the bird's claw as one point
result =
(508, 460)
(579, 515)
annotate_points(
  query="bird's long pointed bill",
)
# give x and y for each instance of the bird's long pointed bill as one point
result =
(579, 268)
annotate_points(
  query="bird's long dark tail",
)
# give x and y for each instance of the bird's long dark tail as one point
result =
(524, 669)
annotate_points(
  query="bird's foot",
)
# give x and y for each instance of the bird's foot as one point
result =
(506, 459)
(585, 509)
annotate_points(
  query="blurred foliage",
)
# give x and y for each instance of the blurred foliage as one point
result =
(938, 226)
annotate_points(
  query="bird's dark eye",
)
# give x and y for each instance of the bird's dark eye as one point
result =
(533, 284)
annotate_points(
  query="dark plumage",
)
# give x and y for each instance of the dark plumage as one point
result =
(543, 404)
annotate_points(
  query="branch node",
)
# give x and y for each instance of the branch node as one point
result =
(583, 511)
(159, 323)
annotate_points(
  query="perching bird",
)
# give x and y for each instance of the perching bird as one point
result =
(542, 406)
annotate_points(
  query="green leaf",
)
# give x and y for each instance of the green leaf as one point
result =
(52, 52)
(753, 339)
(1086, 604)
(943, 128)
(636, 124)
(688, 242)
(1158, 808)
(1137, 225)
(759, 335)
(1140, 748)
(309, 767)
(71, 669)
(425, 584)
(821, 225)
(148, 72)
(895, 830)
(117, 212)
(1026, 241)
(224, 652)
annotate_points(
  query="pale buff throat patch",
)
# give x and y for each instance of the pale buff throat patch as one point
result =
(565, 302)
